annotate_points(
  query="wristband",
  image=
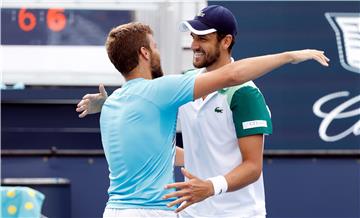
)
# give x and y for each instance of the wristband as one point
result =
(220, 184)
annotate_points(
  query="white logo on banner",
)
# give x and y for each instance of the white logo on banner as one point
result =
(337, 113)
(347, 30)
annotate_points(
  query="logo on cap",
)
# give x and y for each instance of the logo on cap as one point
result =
(201, 14)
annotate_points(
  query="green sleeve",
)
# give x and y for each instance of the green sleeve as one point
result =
(250, 113)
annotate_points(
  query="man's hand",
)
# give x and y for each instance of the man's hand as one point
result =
(308, 54)
(92, 103)
(190, 192)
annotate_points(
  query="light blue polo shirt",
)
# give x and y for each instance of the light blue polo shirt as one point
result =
(138, 126)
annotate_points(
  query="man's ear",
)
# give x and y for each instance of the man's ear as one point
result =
(226, 41)
(145, 53)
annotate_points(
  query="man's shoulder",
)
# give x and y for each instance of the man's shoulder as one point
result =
(235, 92)
(191, 72)
(170, 80)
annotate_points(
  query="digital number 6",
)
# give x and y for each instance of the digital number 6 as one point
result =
(23, 16)
(55, 19)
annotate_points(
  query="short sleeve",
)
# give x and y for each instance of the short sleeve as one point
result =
(174, 90)
(250, 113)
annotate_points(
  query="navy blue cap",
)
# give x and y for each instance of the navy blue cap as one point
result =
(214, 18)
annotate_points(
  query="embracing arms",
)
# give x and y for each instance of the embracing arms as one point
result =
(229, 75)
(195, 189)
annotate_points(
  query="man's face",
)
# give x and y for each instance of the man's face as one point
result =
(206, 49)
(156, 70)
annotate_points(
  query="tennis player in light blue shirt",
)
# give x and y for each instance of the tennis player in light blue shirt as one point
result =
(138, 126)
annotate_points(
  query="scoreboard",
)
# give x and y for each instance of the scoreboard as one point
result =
(59, 46)
(59, 26)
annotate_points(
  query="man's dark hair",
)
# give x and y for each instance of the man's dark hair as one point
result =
(123, 45)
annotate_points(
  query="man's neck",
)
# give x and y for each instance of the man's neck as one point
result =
(219, 63)
(139, 72)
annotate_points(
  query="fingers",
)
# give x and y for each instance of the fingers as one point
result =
(183, 206)
(83, 102)
(318, 56)
(178, 201)
(87, 96)
(177, 185)
(102, 90)
(82, 106)
(326, 59)
(187, 174)
(321, 58)
(308, 54)
(80, 109)
(175, 194)
(83, 114)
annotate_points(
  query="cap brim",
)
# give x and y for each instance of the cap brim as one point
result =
(196, 27)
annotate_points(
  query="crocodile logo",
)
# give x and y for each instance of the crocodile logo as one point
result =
(218, 110)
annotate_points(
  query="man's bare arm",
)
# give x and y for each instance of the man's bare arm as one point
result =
(250, 169)
(195, 189)
(179, 157)
(251, 68)
(229, 75)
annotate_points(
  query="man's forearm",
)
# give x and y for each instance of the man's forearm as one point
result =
(179, 157)
(247, 171)
(248, 69)
(252, 68)
(243, 175)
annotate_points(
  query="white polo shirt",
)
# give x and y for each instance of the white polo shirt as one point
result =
(210, 130)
